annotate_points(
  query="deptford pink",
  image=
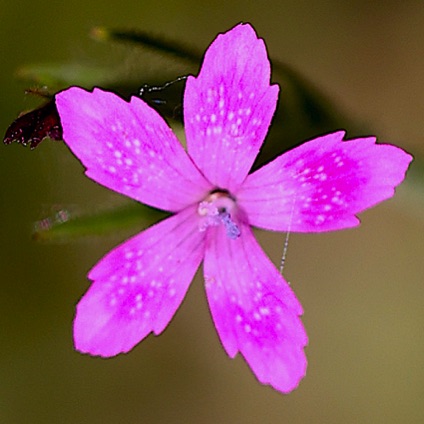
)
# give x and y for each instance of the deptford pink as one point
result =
(128, 147)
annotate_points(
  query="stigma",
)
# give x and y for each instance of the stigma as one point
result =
(219, 208)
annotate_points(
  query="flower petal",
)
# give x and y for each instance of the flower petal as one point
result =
(129, 148)
(322, 184)
(229, 106)
(138, 286)
(254, 310)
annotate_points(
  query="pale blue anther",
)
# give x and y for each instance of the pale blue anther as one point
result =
(230, 226)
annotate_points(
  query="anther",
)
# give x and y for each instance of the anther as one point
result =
(215, 210)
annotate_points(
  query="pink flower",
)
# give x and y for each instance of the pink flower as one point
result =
(128, 147)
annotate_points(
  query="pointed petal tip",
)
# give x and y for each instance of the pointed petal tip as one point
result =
(99, 345)
(229, 106)
(94, 350)
(95, 333)
(323, 184)
(254, 310)
(286, 373)
(243, 28)
(138, 287)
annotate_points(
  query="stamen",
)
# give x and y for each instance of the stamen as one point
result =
(230, 226)
(215, 210)
(210, 215)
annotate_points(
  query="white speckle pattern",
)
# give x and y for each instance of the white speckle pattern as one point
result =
(127, 288)
(227, 112)
(254, 310)
(318, 186)
(129, 148)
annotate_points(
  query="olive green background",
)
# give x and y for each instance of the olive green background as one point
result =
(362, 289)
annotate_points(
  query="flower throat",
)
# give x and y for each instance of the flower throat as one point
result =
(218, 209)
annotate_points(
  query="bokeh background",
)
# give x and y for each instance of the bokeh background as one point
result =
(362, 289)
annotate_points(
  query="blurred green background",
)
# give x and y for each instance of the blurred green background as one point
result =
(362, 289)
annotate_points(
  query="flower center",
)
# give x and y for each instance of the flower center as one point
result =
(218, 209)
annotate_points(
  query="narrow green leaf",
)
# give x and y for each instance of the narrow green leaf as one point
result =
(64, 226)
(151, 41)
(64, 75)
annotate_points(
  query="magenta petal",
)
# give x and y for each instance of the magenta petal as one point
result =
(254, 310)
(322, 184)
(229, 106)
(129, 148)
(138, 286)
